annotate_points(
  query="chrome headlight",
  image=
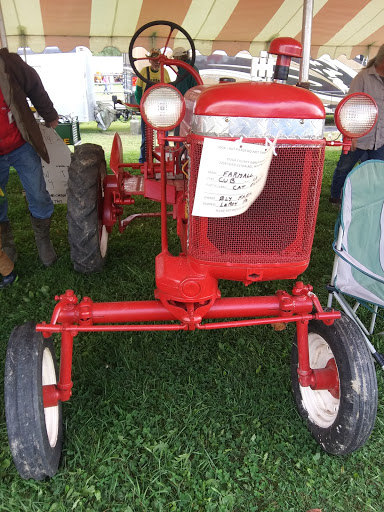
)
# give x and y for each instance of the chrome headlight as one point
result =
(356, 115)
(162, 107)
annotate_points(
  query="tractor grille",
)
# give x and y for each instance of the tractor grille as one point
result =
(278, 227)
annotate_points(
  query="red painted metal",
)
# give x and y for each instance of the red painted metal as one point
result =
(70, 317)
(304, 370)
(116, 154)
(255, 100)
(62, 391)
(65, 383)
(75, 329)
(283, 306)
(286, 46)
(51, 396)
(327, 378)
(273, 238)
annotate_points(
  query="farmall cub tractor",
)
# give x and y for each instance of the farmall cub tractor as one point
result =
(243, 184)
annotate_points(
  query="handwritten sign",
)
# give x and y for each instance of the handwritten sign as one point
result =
(56, 172)
(232, 175)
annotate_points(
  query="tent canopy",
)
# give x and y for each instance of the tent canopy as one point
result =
(340, 27)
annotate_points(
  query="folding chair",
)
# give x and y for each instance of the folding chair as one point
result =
(358, 269)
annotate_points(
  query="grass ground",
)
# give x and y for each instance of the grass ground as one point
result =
(198, 421)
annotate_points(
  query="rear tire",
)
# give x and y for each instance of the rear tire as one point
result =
(341, 424)
(88, 237)
(35, 434)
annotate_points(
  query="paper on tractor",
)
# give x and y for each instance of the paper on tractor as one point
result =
(232, 175)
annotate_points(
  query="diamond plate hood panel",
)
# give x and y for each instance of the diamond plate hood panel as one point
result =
(215, 126)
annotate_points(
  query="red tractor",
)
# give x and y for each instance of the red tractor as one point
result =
(206, 179)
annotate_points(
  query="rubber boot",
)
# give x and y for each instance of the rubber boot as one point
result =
(7, 242)
(45, 248)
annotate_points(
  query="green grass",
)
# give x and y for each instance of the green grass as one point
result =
(198, 421)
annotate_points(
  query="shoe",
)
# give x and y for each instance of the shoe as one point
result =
(335, 200)
(8, 280)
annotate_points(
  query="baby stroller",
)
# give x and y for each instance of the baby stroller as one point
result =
(358, 270)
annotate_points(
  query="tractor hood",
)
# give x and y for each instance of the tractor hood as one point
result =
(255, 99)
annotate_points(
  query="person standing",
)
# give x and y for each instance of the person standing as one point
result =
(106, 84)
(152, 73)
(22, 146)
(371, 81)
(188, 81)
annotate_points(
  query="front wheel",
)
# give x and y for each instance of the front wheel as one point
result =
(88, 237)
(340, 422)
(34, 432)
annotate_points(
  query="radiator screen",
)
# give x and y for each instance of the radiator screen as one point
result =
(278, 227)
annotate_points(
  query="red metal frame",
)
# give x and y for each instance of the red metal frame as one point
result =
(70, 317)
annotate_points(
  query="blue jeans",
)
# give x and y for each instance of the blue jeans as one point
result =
(28, 166)
(143, 156)
(347, 162)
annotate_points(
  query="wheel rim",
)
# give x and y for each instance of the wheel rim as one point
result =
(103, 233)
(103, 241)
(51, 414)
(321, 406)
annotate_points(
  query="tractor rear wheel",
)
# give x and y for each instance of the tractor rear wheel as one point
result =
(88, 237)
(34, 432)
(340, 422)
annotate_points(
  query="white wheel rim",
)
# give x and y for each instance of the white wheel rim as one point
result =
(51, 413)
(321, 406)
(103, 241)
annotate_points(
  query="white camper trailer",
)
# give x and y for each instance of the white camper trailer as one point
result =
(68, 79)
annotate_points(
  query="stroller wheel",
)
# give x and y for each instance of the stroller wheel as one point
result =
(340, 422)
(34, 432)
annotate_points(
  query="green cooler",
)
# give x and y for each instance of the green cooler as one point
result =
(69, 131)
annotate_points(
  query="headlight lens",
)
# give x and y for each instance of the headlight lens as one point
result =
(163, 107)
(356, 115)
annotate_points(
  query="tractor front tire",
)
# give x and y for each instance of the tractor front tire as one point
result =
(340, 424)
(34, 432)
(88, 237)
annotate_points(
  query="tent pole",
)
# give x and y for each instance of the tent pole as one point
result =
(3, 37)
(306, 42)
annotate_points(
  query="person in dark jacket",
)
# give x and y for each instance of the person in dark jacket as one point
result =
(371, 146)
(22, 147)
(188, 81)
